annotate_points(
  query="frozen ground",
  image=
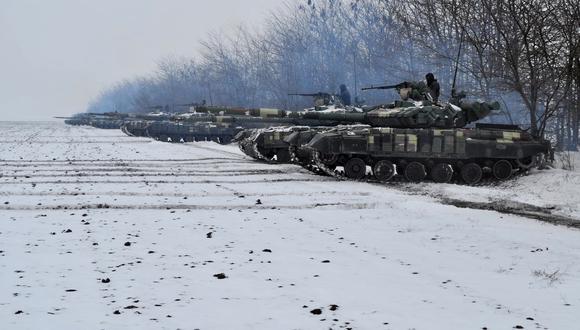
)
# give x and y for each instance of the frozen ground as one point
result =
(557, 191)
(103, 231)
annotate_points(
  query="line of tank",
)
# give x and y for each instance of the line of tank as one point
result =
(413, 138)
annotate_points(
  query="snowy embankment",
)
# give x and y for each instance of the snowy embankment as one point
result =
(553, 191)
(99, 230)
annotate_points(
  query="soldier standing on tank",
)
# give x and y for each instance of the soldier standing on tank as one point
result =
(433, 86)
(344, 95)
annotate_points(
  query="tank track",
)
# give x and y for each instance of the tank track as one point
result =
(319, 168)
(246, 144)
(124, 130)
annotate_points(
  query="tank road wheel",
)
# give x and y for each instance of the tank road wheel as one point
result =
(355, 168)
(283, 156)
(415, 172)
(384, 170)
(527, 163)
(502, 169)
(471, 173)
(442, 173)
(329, 159)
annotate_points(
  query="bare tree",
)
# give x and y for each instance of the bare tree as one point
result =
(525, 52)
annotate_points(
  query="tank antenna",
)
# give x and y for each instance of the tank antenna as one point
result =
(453, 93)
(355, 77)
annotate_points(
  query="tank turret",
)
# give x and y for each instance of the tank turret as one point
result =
(421, 114)
(416, 109)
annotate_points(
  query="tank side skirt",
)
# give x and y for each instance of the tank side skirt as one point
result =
(432, 146)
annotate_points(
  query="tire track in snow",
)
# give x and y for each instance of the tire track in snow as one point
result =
(106, 206)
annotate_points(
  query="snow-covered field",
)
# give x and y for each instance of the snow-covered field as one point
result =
(103, 231)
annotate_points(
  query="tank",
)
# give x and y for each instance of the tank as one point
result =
(415, 139)
(278, 143)
(222, 124)
(76, 120)
(111, 120)
(137, 124)
(135, 127)
(203, 123)
(439, 154)
(413, 110)
(169, 131)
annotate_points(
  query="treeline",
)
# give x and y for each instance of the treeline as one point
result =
(524, 53)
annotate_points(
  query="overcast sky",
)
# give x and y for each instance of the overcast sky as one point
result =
(56, 55)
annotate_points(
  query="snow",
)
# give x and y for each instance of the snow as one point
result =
(555, 188)
(72, 197)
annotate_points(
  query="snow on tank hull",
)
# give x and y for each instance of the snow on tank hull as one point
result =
(438, 154)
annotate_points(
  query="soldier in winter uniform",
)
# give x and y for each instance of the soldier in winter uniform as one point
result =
(433, 86)
(344, 95)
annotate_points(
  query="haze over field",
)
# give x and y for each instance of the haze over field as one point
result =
(58, 55)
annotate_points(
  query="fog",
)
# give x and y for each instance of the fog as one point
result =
(57, 55)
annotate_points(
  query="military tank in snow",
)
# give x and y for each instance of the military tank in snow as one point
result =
(427, 140)
(277, 143)
(79, 119)
(281, 144)
(138, 124)
(107, 120)
(219, 124)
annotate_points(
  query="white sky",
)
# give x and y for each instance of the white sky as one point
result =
(56, 55)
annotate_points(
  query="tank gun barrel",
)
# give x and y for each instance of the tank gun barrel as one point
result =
(309, 94)
(116, 115)
(253, 112)
(380, 87)
(307, 119)
(404, 84)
